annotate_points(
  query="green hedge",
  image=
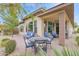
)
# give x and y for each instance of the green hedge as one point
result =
(77, 40)
(9, 45)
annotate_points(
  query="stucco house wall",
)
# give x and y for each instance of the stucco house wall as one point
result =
(39, 25)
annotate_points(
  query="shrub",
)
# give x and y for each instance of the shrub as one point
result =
(9, 45)
(78, 30)
(7, 32)
(77, 40)
(4, 42)
(15, 31)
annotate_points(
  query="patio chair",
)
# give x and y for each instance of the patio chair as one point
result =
(46, 34)
(27, 36)
(54, 34)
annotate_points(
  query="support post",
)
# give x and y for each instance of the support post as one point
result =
(62, 28)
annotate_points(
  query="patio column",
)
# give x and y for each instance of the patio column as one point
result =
(70, 30)
(62, 28)
(40, 27)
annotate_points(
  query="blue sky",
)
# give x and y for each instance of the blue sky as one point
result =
(32, 7)
(76, 13)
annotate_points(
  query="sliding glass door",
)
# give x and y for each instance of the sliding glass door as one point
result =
(48, 26)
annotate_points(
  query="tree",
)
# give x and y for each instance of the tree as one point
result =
(75, 25)
(1, 27)
(11, 13)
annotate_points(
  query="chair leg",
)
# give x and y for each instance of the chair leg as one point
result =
(50, 46)
(25, 51)
(35, 50)
(29, 51)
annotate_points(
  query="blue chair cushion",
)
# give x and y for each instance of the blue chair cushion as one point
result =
(51, 37)
(29, 35)
(54, 34)
(46, 34)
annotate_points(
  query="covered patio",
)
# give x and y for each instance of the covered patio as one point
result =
(58, 23)
(59, 19)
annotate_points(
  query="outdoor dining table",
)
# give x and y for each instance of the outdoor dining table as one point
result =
(39, 41)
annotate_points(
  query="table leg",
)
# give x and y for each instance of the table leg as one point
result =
(35, 49)
(45, 48)
(49, 50)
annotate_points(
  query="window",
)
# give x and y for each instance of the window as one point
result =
(45, 26)
(50, 27)
(31, 26)
(35, 26)
(66, 26)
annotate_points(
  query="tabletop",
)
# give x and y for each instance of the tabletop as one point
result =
(39, 39)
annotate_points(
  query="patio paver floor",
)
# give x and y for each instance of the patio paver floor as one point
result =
(20, 47)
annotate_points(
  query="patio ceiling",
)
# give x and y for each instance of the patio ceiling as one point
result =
(53, 12)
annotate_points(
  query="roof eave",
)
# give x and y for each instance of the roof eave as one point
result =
(55, 8)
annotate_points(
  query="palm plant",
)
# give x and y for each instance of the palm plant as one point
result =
(11, 13)
(66, 52)
(62, 52)
(58, 52)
